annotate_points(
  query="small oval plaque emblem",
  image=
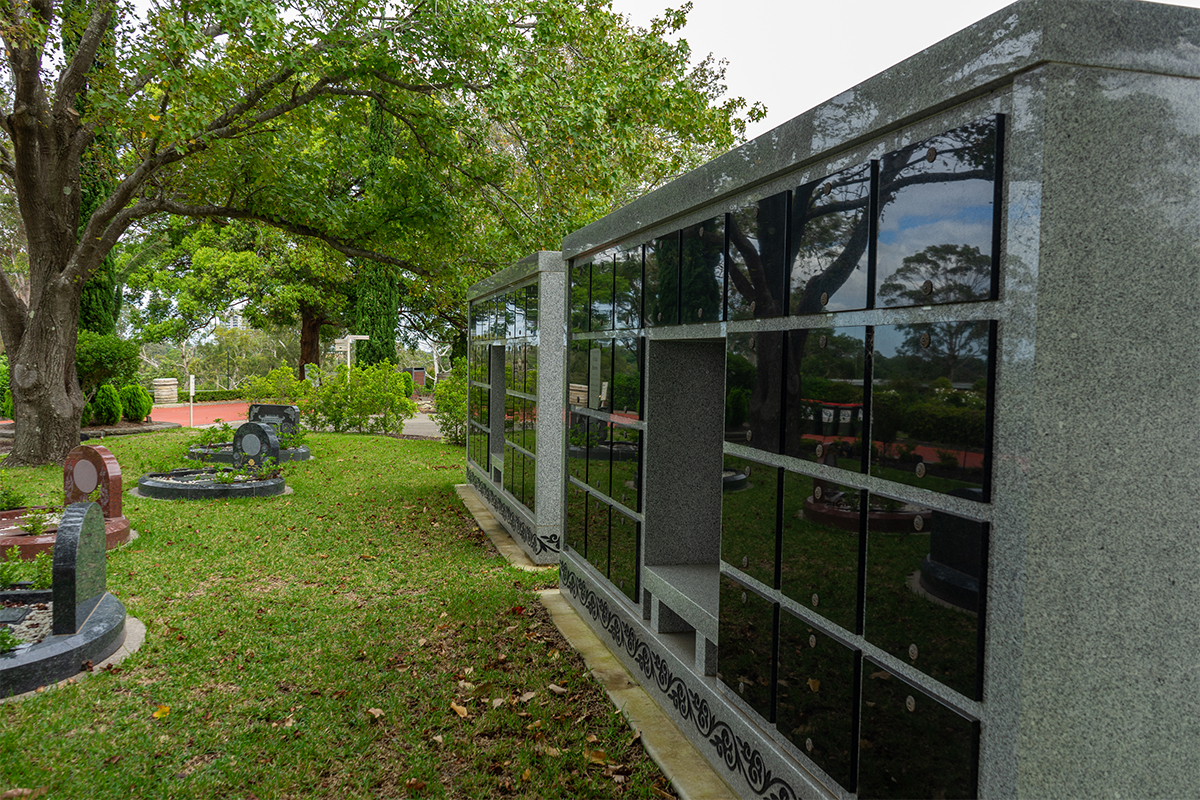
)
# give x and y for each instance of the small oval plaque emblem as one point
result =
(910, 703)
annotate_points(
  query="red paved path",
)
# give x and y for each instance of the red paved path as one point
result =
(202, 414)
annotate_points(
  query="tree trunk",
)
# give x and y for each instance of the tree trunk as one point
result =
(47, 400)
(310, 337)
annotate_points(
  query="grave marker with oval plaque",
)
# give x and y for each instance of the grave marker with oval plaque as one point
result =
(253, 444)
(284, 419)
(92, 467)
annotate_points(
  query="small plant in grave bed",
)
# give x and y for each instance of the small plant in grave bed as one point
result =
(10, 498)
(38, 521)
(7, 640)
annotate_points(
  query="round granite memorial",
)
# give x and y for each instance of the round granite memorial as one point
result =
(255, 472)
(285, 420)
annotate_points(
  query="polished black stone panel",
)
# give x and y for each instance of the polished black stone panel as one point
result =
(627, 293)
(578, 367)
(626, 444)
(254, 444)
(480, 364)
(514, 368)
(661, 281)
(757, 283)
(831, 242)
(284, 419)
(754, 389)
(529, 439)
(623, 559)
(702, 271)
(580, 302)
(599, 469)
(531, 367)
(749, 518)
(931, 415)
(938, 222)
(516, 302)
(600, 375)
(575, 531)
(945, 643)
(910, 745)
(627, 378)
(601, 307)
(531, 310)
(954, 569)
(822, 537)
(825, 405)
(598, 513)
(816, 704)
(746, 646)
(581, 431)
(509, 469)
(80, 575)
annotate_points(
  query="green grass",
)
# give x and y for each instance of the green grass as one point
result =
(277, 626)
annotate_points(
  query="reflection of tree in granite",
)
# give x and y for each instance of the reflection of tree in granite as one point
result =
(702, 252)
(757, 259)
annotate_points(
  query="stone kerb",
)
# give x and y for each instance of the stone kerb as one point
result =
(284, 419)
(91, 467)
(254, 443)
(80, 576)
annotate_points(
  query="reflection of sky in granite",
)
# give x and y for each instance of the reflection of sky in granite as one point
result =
(933, 214)
(888, 339)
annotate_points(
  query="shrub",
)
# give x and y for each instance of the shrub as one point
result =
(214, 395)
(136, 402)
(409, 384)
(280, 386)
(6, 405)
(85, 417)
(366, 398)
(106, 405)
(10, 498)
(450, 400)
(100, 359)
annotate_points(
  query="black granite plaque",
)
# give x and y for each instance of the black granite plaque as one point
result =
(749, 518)
(816, 705)
(600, 375)
(825, 400)
(601, 316)
(627, 292)
(911, 745)
(702, 272)
(623, 558)
(822, 539)
(598, 513)
(754, 389)
(905, 620)
(516, 297)
(580, 304)
(575, 532)
(627, 378)
(509, 469)
(531, 367)
(626, 444)
(661, 281)
(253, 444)
(954, 569)
(831, 242)
(599, 469)
(578, 367)
(746, 647)
(80, 577)
(756, 286)
(930, 404)
(531, 310)
(582, 431)
(284, 419)
(939, 218)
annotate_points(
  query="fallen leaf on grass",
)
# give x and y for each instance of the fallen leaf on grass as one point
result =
(439, 739)
(414, 784)
(366, 557)
(422, 640)
(466, 686)
(460, 710)
(547, 750)
(591, 737)
(527, 776)
(597, 757)
(533, 725)
(554, 687)
(814, 684)
(497, 702)
(657, 792)
(30, 793)
(525, 698)
(636, 735)
(161, 712)
(375, 712)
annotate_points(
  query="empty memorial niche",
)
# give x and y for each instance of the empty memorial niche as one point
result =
(815, 708)
(831, 238)
(627, 287)
(910, 744)
(756, 283)
(746, 645)
(702, 271)
(822, 534)
(938, 218)
(931, 405)
(661, 281)
(907, 579)
(825, 418)
(749, 511)
(754, 389)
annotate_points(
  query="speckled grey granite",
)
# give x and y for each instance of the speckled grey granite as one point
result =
(1092, 673)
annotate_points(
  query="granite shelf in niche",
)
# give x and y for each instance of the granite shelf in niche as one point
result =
(691, 591)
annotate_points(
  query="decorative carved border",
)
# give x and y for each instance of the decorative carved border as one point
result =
(512, 520)
(737, 754)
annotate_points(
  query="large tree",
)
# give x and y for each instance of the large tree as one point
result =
(237, 109)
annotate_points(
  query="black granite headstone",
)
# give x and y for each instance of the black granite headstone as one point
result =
(284, 419)
(80, 578)
(253, 444)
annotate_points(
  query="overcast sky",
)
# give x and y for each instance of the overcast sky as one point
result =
(840, 43)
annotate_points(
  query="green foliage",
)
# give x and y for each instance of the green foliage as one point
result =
(85, 416)
(106, 405)
(10, 497)
(7, 639)
(36, 521)
(136, 402)
(43, 569)
(217, 395)
(408, 384)
(6, 404)
(280, 386)
(102, 359)
(220, 432)
(11, 568)
(450, 399)
(365, 398)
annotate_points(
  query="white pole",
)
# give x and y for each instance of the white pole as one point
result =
(191, 399)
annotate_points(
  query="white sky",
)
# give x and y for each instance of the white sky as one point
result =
(795, 54)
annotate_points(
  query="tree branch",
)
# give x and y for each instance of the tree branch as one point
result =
(74, 77)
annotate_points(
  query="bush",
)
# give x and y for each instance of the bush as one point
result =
(280, 386)
(136, 402)
(6, 405)
(214, 395)
(410, 386)
(106, 405)
(101, 359)
(450, 400)
(366, 398)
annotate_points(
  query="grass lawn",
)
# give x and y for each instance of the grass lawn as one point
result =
(357, 638)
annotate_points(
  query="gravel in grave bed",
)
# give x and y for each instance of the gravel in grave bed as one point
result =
(37, 624)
